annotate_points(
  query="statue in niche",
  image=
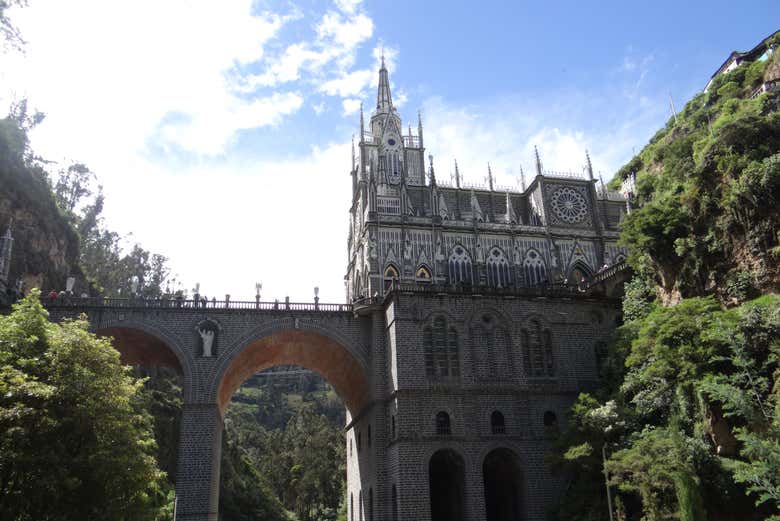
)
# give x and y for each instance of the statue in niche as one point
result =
(207, 334)
(518, 254)
(407, 249)
(480, 253)
(372, 247)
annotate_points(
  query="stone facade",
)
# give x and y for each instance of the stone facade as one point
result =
(472, 327)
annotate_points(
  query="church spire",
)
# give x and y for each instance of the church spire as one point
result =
(384, 103)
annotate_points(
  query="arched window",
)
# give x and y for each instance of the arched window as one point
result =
(440, 344)
(497, 423)
(579, 273)
(391, 274)
(423, 274)
(537, 350)
(460, 266)
(534, 268)
(498, 270)
(443, 424)
(491, 348)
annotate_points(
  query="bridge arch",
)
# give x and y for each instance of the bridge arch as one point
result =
(142, 344)
(295, 342)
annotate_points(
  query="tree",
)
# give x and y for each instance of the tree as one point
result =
(75, 440)
(9, 34)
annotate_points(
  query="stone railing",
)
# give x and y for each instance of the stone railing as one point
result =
(173, 303)
(609, 273)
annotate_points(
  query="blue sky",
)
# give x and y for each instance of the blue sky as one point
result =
(221, 132)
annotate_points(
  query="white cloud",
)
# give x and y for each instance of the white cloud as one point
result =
(107, 73)
(283, 223)
(350, 84)
(208, 131)
(351, 106)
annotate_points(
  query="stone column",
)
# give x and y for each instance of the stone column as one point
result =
(197, 476)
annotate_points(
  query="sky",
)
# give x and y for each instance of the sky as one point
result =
(220, 131)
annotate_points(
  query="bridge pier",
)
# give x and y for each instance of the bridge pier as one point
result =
(197, 476)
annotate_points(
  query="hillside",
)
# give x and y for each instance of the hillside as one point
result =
(686, 421)
(708, 185)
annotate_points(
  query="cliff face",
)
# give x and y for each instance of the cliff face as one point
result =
(45, 248)
(707, 189)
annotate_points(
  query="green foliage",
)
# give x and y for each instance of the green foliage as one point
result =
(289, 431)
(75, 440)
(707, 189)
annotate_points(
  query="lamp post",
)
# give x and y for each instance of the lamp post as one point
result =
(258, 289)
(316, 297)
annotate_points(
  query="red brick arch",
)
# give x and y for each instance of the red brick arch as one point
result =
(139, 347)
(304, 348)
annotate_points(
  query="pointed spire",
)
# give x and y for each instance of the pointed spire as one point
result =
(384, 103)
(457, 175)
(362, 124)
(476, 210)
(490, 177)
(538, 161)
(589, 166)
(419, 128)
(603, 188)
(431, 173)
(510, 211)
(353, 152)
(522, 178)
(443, 212)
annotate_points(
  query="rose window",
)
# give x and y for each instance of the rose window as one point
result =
(569, 205)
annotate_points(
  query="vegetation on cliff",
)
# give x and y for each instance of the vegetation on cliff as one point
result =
(686, 422)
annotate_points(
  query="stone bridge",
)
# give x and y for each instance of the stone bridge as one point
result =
(450, 392)
(332, 339)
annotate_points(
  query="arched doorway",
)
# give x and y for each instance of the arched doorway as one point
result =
(446, 478)
(503, 486)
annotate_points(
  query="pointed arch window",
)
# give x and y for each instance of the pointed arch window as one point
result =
(440, 344)
(579, 273)
(534, 268)
(499, 275)
(538, 356)
(390, 275)
(460, 266)
(423, 274)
